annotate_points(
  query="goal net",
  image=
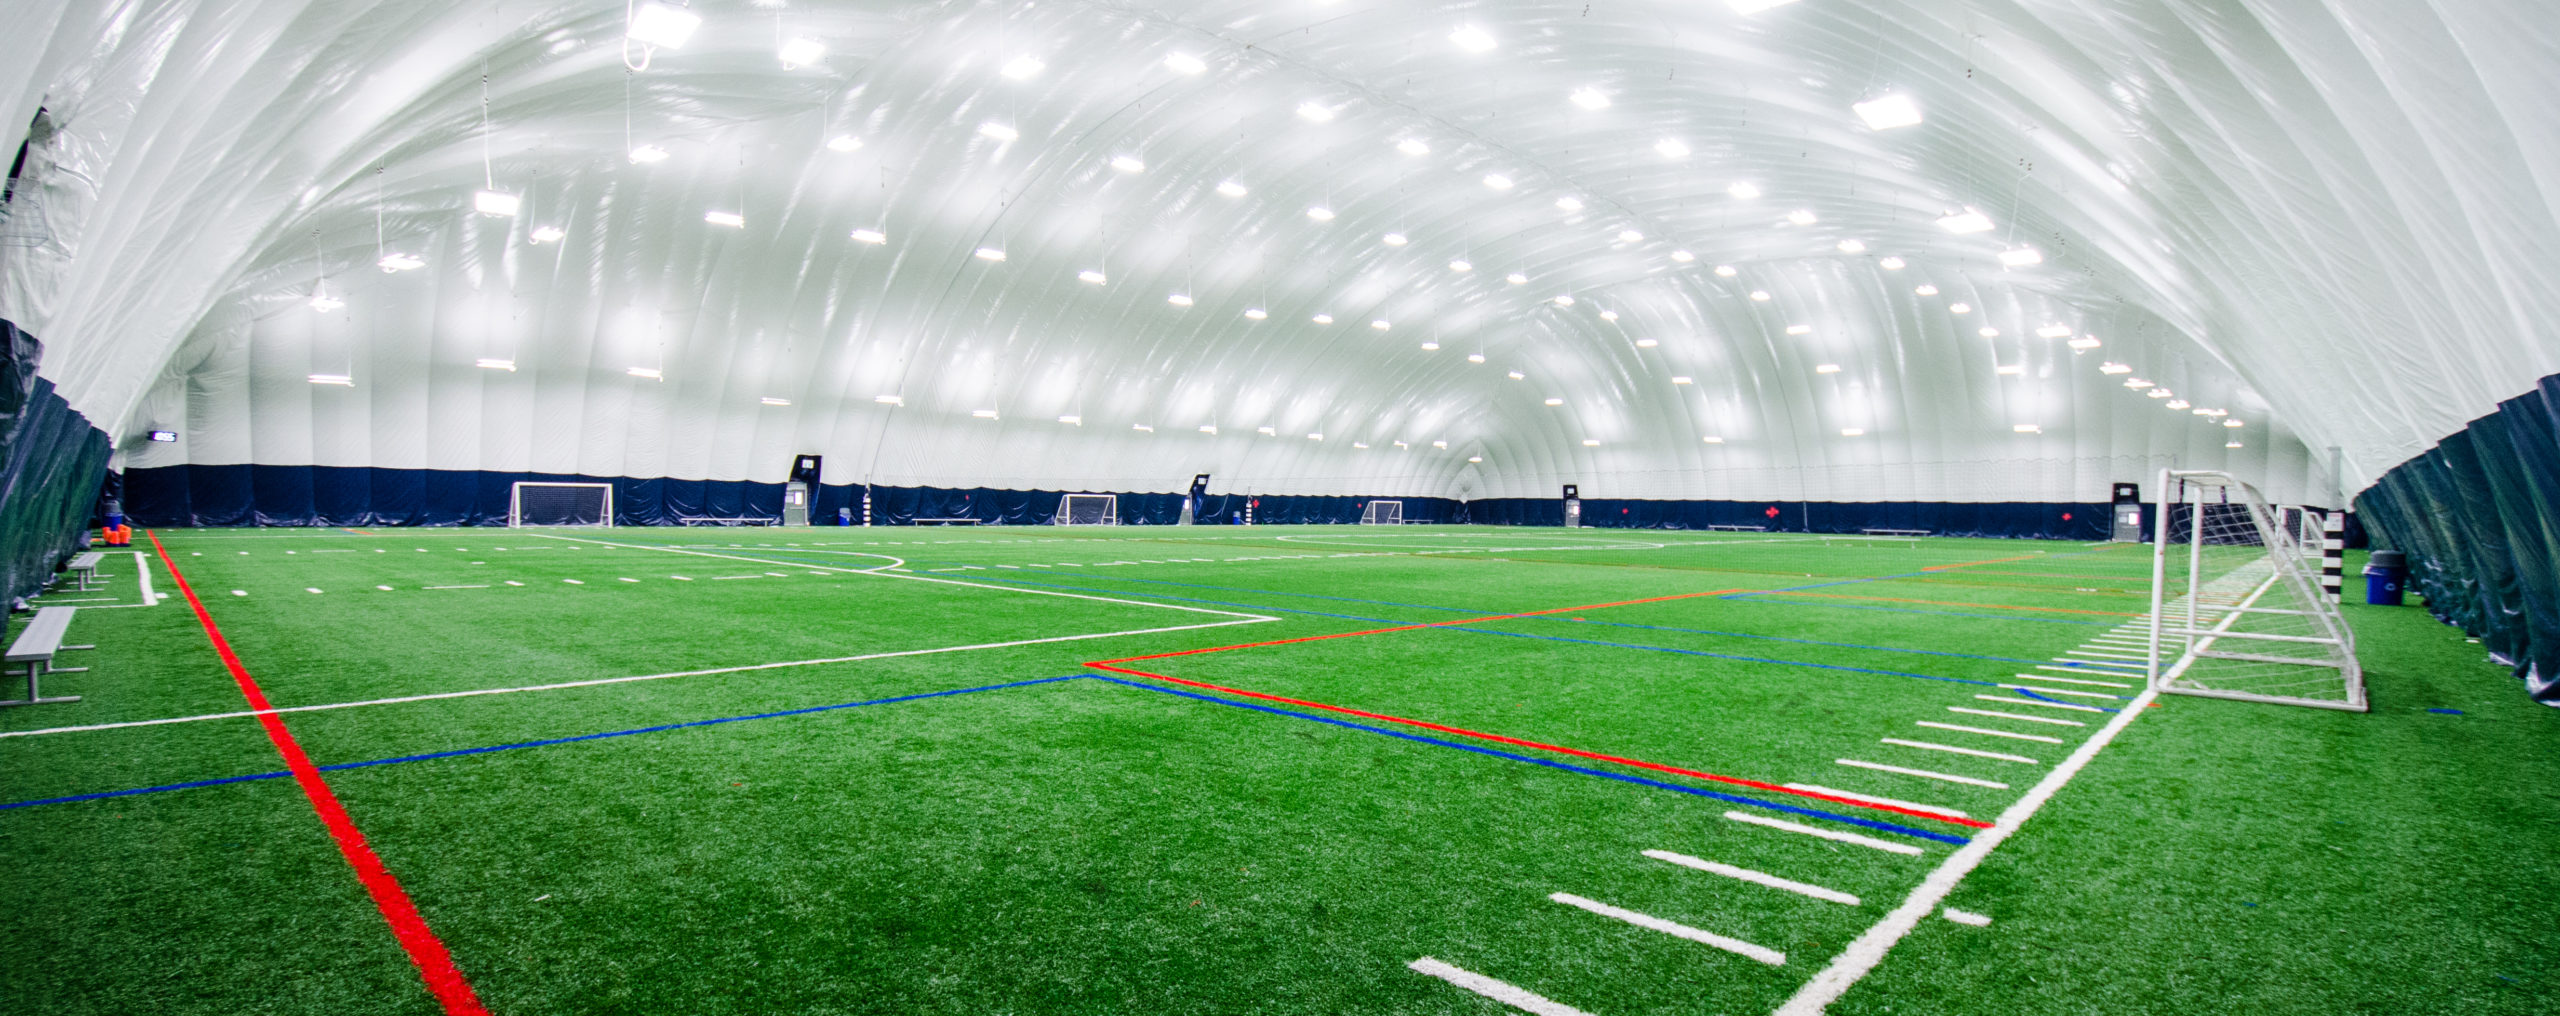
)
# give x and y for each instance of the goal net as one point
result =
(560, 504)
(1383, 513)
(1089, 510)
(2236, 608)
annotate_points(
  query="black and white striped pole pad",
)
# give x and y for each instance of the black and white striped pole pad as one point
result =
(2333, 555)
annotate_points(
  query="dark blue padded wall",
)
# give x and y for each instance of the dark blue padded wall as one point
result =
(52, 460)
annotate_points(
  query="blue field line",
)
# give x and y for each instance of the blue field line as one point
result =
(343, 766)
(1552, 764)
(1608, 624)
(2059, 702)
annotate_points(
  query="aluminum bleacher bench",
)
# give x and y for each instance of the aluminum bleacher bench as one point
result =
(35, 647)
(1738, 529)
(84, 567)
(1895, 532)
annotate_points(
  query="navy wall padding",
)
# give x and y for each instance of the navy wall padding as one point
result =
(52, 466)
(2013, 519)
(2479, 517)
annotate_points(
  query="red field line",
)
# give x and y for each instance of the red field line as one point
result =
(434, 963)
(1413, 627)
(1543, 746)
(1959, 603)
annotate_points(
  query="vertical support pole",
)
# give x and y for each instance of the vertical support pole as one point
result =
(2195, 569)
(866, 505)
(2333, 555)
(2159, 579)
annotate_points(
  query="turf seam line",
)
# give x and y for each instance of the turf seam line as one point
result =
(434, 962)
(1549, 763)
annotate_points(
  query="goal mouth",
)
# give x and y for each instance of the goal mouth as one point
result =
(1382, 513)
(565, 505)
(2237, 609)
(1088, 510)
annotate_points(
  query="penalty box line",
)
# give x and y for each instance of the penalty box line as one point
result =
(597, 682)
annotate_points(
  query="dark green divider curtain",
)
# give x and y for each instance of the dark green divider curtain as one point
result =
(51, 464)
(2479, 517)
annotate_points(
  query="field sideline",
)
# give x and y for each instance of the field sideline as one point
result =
(1421, 769)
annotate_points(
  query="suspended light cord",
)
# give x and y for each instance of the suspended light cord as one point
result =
(487, 170)
(630, 11)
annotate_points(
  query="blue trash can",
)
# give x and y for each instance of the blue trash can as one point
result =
(2384, 578)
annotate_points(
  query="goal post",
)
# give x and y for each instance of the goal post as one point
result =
(533, 503)
(2236, 605)
(1088, 510)
(1383, 513)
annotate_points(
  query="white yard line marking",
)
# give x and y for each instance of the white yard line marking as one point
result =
(143, 569)
(596, 682)
(723, 578)
(1954, 750)
(1755, 877)
(1966, 917)
(2103, 655)
(1869, 948)
(513, 582)
(1887, 846)
(2088, 667)
(626, 580)
(383, 588)
(2075, 680)
(574, 582)
(40, 601)
(239, 592)
(1516, 997)
(310, 589)
(2016, 716)
(1933, 809)
(1926, 774)
(2058, 691)
(679, 578)
(1935, 725)
(1675, 929)
(2041, 705)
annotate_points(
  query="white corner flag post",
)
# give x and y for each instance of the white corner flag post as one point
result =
(2333, 555)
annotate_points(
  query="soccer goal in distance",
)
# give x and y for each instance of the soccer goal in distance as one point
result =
(560, 504)
(1088, 510)
(2236, 605)
(1383, 513)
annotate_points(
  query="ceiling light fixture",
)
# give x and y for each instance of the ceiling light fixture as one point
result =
(1023, 68)
(2021, 257)
(1853, 247)
(341, 380)
(1967, 221)
(1925, 289)
(1184, 63)
(732, 220)
(1322, 319)
(494, 363)
(1802, 217)
(989, 254)
(1590, 98)
(889, 400)
(1462, 266)
(1497, 181)
(802, 51)
(662, 26)
(490, 202)
(1413, 146)
(1629, 236)
(772, 401)
(648, 373)
(1726, 271)
(1092, 276)
(1886, 112)
(1889, 263)
(1393, 240)
(1179, 299)
(543, 234)
(1743, 190)
(1314, 112)
(1671, 148)
(1473, 39)
(2084, 343)
(998, 131)
(870, 236)
(1230, 188)
(1320, 213)
(1256, 313)
(647, 154)
(1826, 368)
(399, 262)
(1128, 164)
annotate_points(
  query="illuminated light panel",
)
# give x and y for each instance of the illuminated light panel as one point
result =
(2009, 369)
(1743, 190)
(1760, 295)
(1564, 301)
(1802, 217)
(1023, 68)
(1517, 376)
(732, 220)
(2114, 368)
(1853, 432)
(1726, 271)
(1179, 299)
(2021, 257)
(663, 26)
(1314, 436)
(398, 262)
(2026, 428)
(1712, 439)
(1799, 329)
(1322, 319)
(801, 51)
(1890, 263)
(1462, 266)
(324, 303)
(1393, 240)
(1569, 203)
(1092, 276)
(1142, 428)
(1682, 256)
(1414, 147)
(1230, 188)
(2085, 343)
(490, 202)
(1886, 112)
(1381, 324)
(1184, 63)
(1266, 431)
(1209, 428)
(1430, 347)
(1497, 181)
(1987, 332)
(998, 131)
(2135, 382)
(989, 254)
(871, 236)
(1590, 443)
(1590, 98)
(543, 234)
(1475, 358)
(1128, 164)
(1312, 111)
(1516, 279)
(1470, 458)
(1682, 379)
(889, 400)
(1555, 402)
(1256, 313)
(1320, 213)
(1671, 148)
(1473, 39)
(1608, 315)
(2233, 423)
(1748, 7)
(646, 154)
(1959, 308)
(2160, 393)
(1853, 247)
(1629, 236)
(2053, 332)
(341, 380)
(772, 401)
(2178, 404)
(983, 414)
(1072, 420)
(1362, 445)
(1967, 221)
(1647, 343)
(2231, 444)
(1826, 368)
(1925, 289)
(651, 373)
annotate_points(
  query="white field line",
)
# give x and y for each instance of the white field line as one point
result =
(1887, 846)
(2077, 680)
(2058, 691)
(1675, 929)
(619, 680)
(1516, 997)
(2102, 655)
(1966, 917)
(926, 578)
(1986, 732)
(1954, 750)
(2090, 666)
(143, 568)
(1869, 948)
(1755, 877)
(2041, 705)
(1926, 774)
(1873, 799)
(2016, 716)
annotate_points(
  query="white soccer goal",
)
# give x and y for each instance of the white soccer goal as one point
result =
(1383, 513)
(1088, 510)
(2236, 609)
(560, 504)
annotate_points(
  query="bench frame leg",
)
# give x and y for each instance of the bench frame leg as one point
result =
(35, 693)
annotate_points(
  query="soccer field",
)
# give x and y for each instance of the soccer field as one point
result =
(1417, 769)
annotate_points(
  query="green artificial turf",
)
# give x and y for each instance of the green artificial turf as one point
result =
(1085, 846)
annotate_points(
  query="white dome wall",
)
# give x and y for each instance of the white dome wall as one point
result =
(2330, 221)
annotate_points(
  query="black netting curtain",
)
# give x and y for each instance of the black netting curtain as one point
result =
(52, 462)
(2479, 517)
